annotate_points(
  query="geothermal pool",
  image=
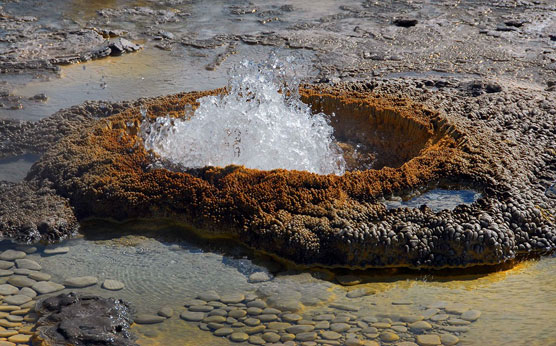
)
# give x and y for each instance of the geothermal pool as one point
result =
(212, 286)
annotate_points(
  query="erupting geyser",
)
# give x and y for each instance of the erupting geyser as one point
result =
(260, 123)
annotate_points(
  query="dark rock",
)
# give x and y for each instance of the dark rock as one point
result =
(405, 22)
(121, 46)
(84, 320)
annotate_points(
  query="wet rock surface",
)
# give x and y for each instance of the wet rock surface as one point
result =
(83, 320)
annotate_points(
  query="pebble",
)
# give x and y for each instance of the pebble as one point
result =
(256, 340)
(81, 281)
(428, 340)
(308, 336)
(449, 339)
(257, 303)
(232, 298)
(339, 327)
(112, 285)
(471, 315)
(6, 264)
(412, 318)
(456, 309)
(269, 311)
(239, 336)
(381, 325)
(18, 299)
(252, 322)
(279, 326)
(215, 326)
(56, 251)
(23, 271)
(255, 330)
(25, 263)
(420, 326)
(291, 317)
(370, 319)
(4, 272)
(430, 312)
(254, 311)
(14, 318)
(389, 337)
(402, 302)
(21, 281)
(194, 302)
(148, 319)
(26, 291)
(259, 277)
(27, 249)
(237, 313)
(201, 308)
(223, 331)
(324, 317)
(440, 317)
(7, 333)
(39, 276)
(20, 338)
(10, 255)
(45, 287)
(322, 325)
(192, 316)
(267, 318)
(456, 329)
(406, 343)
(214, 319)
(458, 322)
(399, 329)
(166, 312)
(209, 296)
(6, 290)
(300, 329)
(331, 335)
(271, 337)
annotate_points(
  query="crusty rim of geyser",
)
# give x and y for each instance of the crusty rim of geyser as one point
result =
(310, 219)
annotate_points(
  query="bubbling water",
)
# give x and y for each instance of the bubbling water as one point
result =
(260, 123)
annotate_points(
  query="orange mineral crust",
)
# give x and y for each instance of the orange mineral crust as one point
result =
(306, 218)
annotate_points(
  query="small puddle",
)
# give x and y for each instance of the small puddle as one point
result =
(15, 168)
(437, 199)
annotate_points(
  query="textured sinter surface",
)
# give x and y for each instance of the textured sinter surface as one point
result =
(314, 219)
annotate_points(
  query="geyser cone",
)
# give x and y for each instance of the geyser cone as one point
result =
(304, 217)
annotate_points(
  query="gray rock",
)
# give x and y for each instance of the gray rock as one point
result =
(324, 317)
(259, 277)
(6, 264)
(148, 319)
(232, 298)
(81, 281)
(257, 303)
(25, 263)
(428, 340)
(411, 318)
(237, 313)
(112, 285)
(6, 290)
(440, 317)
(29, 292)
(291, 317)
(420, 326)
(27, 249)
(309, 336)
(389, 337)
(21, 281)
(56, 250)
(256, 340)
(166, 312)
(18, 299)
(201, 308)
(360, 292)
(209, 296)
(214, 319)
(254, 311)
(239, 337)
(252, 322)
(471, 315)
(45, 287)
(449, 339)
(345, 307)
(300, 329)
(192, 316)
(40, 276)
(267, 317)
(458, 322)
(330, 335)
(322, 325)
(339, 327)
(271, 337)
(4, 272)
(10, 255)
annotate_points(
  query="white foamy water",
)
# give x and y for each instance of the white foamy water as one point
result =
(260, 123)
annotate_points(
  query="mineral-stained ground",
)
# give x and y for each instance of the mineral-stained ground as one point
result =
(471, 86)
